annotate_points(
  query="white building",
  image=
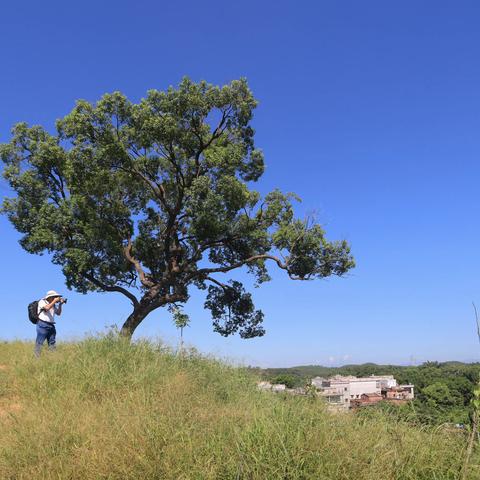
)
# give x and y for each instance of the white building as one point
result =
(264, 385)
(276, 387)
(384, 381)
(341, 390)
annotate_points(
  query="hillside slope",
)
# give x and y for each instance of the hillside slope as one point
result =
(102, 408)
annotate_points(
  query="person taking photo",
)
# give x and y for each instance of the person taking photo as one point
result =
(48, 307)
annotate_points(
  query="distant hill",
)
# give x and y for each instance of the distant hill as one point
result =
(309, 371)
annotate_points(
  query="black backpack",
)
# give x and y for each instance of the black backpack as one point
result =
(33, 312)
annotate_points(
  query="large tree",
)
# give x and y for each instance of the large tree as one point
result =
(151, 199)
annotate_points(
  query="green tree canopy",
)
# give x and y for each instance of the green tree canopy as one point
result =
(284, 379)
(439, 395)
(153, 198)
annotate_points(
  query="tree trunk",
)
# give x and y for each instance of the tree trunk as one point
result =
(133, 321)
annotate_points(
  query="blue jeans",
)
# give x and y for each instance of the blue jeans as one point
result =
(45, 331)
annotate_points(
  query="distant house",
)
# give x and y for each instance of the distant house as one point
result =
(297, 391)
(271, 387)
(366, 399)
(384, 381)
(264, 385)
(347, 390)
(400, 392)
(341, 389)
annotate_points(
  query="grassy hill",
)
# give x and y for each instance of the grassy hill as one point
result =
(103, 409)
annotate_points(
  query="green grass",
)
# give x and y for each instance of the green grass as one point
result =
(103, 409)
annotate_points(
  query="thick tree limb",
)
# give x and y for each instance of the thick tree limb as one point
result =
(115, 288)
(128, 255)
(206, 271)
(220, 284)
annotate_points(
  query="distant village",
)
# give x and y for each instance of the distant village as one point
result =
(348, 392)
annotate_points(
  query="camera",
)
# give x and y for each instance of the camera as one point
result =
(63, 300)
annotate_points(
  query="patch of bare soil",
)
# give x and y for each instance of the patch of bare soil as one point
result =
(3, 367)
(8, 408)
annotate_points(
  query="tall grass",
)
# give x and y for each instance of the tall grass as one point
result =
(104, 409)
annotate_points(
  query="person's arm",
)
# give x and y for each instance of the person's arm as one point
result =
(58, 308)
(48, 306)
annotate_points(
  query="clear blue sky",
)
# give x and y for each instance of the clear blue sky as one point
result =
(370, 111)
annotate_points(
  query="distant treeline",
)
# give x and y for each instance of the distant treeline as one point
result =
(443, 391)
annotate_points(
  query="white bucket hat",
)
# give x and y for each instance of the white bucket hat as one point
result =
(52, 293)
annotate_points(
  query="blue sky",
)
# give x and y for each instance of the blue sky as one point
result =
(370, 111)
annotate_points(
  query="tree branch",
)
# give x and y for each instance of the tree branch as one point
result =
(128, 255)
(115, 288)
(206, 271)
(171, 158)
(59, 183)
(166, 299)
(156, 188)
(215, 134)
(220, 284)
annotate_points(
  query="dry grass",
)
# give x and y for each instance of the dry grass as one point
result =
(102, 409)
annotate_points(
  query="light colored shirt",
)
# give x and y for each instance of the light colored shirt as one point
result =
(47, 315)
